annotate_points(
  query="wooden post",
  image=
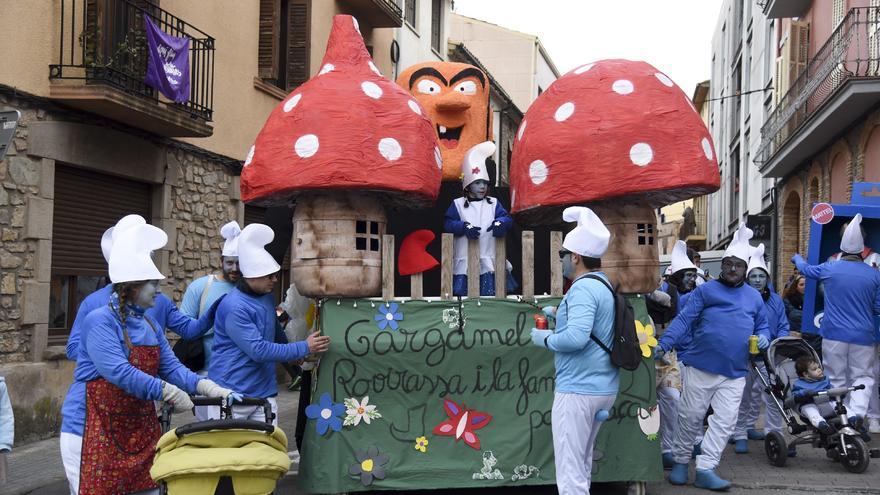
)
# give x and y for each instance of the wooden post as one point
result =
(500, 268)
(555, 265)
(387, 267)
(416, 286)
(446, 262)
(473, 274)
(528, 264)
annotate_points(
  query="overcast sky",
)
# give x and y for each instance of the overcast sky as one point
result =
(674, 36)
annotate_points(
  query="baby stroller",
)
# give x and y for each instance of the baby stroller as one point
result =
(220, 456)
(845, 446)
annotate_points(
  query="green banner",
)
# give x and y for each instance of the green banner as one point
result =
(427, 395)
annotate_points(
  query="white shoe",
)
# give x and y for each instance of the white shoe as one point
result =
(873, 425)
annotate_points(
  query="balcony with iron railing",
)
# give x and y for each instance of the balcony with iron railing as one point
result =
(102, 59)
(840, 83)
(377, 13)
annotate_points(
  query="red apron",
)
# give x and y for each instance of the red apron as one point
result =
(121, 432)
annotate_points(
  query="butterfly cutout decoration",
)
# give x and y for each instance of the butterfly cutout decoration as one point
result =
(461, 423)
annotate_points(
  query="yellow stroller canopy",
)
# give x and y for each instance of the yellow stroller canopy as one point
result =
(192, 459)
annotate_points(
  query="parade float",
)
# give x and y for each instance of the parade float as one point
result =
(446, 392)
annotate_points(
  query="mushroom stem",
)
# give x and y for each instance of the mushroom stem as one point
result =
(632, 260)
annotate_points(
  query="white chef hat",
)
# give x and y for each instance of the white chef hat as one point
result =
(253, 259)
(473, 167)
(130, 258)
(230, 232)
(679, 259)
(739, 247)
(123, 223)
(757, 260)
(852, 241)
(590, 238)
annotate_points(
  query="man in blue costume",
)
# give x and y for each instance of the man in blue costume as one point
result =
(586, 380)
(718, 319)
(852, 300)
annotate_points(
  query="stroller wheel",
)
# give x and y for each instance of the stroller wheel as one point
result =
(775, 448)
(857, 455)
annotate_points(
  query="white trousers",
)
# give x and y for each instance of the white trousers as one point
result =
(750, 406)
(71, 455)
(699, 391)
(247, 412)
(874, 400)
(817, 414)
(574, 435)
(848, 365)
(667, 401)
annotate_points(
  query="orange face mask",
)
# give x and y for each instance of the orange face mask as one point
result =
(456, 98)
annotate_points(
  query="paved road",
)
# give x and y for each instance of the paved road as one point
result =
(36, 469)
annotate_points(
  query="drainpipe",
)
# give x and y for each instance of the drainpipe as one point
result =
(774, 206)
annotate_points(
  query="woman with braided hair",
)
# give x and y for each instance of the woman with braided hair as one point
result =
(126, 364)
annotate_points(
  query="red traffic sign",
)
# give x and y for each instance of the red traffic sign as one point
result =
(822, 213)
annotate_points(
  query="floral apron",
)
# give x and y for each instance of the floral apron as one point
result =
(121, 432)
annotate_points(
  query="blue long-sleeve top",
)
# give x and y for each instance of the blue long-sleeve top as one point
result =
(245, 351)
(582, 367)
(852, 299)
(455, 225)
(103, 354)
(164, 314)
(719, 320)
(777, 319)
(684, 342)
(803, 386)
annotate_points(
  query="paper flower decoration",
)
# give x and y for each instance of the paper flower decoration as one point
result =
(461, 423)
(388, 316)
(649, 422)
(326, 413)
(646, 338)
(422, 444)
(356, 411)
(370, 465)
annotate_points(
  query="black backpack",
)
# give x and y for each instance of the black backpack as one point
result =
(625, 351)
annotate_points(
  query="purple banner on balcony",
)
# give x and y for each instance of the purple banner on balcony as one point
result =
(168, 67)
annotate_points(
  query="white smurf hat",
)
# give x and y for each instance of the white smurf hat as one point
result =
(230, 232)
(253, 259)
(852, 241)
(739, 247)
(130, 258)
(123, 223)
(473, 167)
(757, 260)
(679, 259)
(590, 238)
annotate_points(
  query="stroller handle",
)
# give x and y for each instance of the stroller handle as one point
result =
(219, 401)
(219, 424)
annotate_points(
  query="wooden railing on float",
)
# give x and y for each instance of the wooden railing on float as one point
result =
(447, 259)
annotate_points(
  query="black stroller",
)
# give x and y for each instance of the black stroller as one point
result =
(846, 446)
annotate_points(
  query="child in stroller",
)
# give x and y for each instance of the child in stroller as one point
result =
(840, 440)
(811, 379)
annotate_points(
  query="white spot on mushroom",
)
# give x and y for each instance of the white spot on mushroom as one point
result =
(641, 154)
(371, 89)
(580, 70)
(327, 68)
(292, 102)
(564, 111)
(374, 68)
(355, 22)
(390, 149)
(538, 172)
(306, 145)
(522, 129)
(250, 156)
(707, 148)
(664, 79)
(438, 157)
(622, 87)
(414, 106)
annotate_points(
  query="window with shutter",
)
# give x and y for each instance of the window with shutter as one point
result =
(436, 24)
(283, 55)
(409, 14)
(268, 44)
(297, 59)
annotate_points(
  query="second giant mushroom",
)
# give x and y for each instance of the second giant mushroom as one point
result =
(622, 138)
(343, 145)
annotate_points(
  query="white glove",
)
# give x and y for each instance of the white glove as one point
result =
(176, 397)
(210, 389)
(661, 298)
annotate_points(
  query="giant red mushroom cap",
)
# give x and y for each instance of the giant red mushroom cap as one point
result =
(610, 130)
(347, 128)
